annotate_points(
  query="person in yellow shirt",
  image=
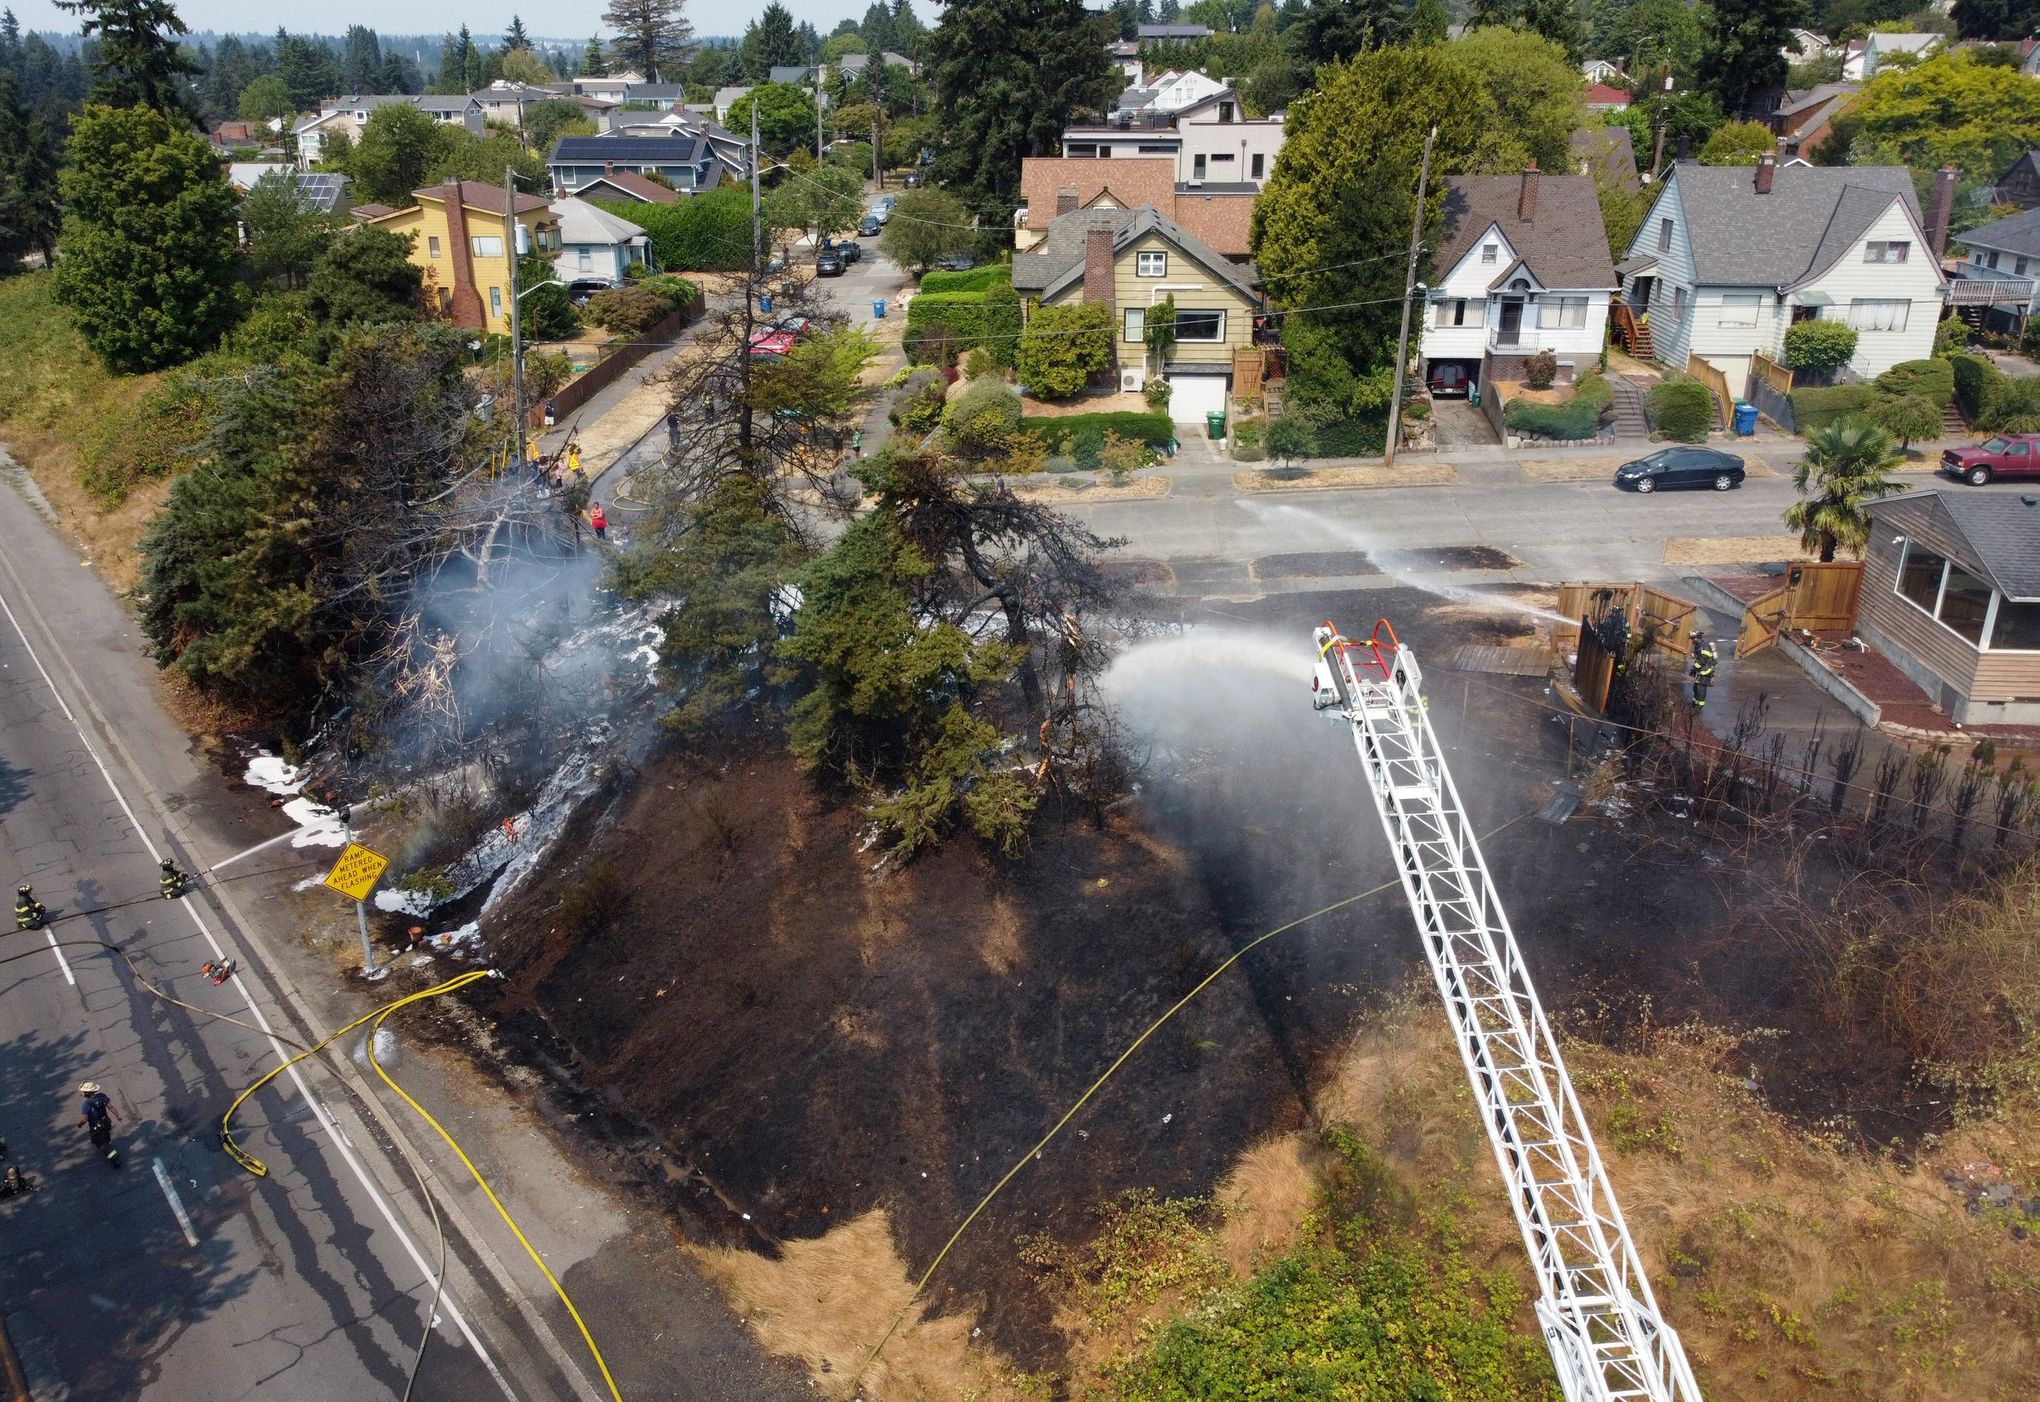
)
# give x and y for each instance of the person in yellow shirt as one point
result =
(573, 457)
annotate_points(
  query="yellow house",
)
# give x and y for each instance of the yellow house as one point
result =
(457, 238)
(1132, 259)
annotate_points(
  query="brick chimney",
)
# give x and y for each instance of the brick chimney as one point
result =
(1941, 212)
(1098, 268)
(1526, 201)
(466, 308)
(1767, 168)
(1066, 200)
(609, 167)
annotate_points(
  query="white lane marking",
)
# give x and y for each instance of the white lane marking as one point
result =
(318, 1109)
(62, 962)
(176, 1205)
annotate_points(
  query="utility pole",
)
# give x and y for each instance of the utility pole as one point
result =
(516, 313)
(757, 227)
(818, 113)
(877, 171)
(1402, 341)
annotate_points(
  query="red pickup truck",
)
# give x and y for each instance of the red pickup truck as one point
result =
(2006, 455)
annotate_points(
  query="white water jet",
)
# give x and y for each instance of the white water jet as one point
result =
(1382, 555)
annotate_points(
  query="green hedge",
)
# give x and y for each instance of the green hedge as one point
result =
(1976, 384)
(1155, 430)
(1593, 389)
(1680, 409)
(974, 280)
(1932, 380)
(1575, 419)
(1350, 438)
(961, 322)
(1817, 408)
(708, 232)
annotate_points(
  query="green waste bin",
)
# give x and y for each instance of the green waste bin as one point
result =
(1214, 423)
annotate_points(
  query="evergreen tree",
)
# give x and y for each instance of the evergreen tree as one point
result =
(770, 42)
(877, 29)
(2008, 20)
(1430, 21)
(29, 210)
(397, 74)
(1483, 13)
(1012, 73)
(908, 33)
(10, 43)
(1559, 21)
(1746, 54)
(592, 64)
(652, 36)
(810, 42)
(516, 38)
(1331, 30)
(139, 62)
(361, 61)
(307, 68)
(149, 266)
(453, 61)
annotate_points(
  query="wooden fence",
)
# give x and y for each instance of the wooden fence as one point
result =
(1771, 373)
(1815, 596)
(1668, 619)
(1716, 382)
(607, 371)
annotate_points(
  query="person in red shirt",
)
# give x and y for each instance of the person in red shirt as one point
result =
(599, 521)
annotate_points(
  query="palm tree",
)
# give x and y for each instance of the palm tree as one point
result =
(1847, 463)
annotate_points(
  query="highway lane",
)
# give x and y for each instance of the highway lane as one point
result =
(177, 1275)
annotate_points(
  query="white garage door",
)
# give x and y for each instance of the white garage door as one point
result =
(1191, 397)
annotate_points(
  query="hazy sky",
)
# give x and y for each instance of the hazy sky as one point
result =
(552, 18)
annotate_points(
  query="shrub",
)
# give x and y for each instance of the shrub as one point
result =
(1002, 322)
(1819, 345)
(628, 312)
(937, 321)
(678, 291)
(1157, 392)
(1062, 347)
(1155, 430)
(1122, 457)
(1680, 409)
(1977, 384)
(1907, 417)
(2014, 408)
(978, 364)
(974, 280)
(1085, 446)
(1564, 421)
(983, 419)
(1932, 380)
(1594, 389)
(917, 403)
(1951, 335)
(1350, 438)
(1818, 407)
(1541, 369)
(1289, 437)
(708, 232)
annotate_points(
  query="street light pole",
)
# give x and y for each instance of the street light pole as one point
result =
(1402, 341)
(516, 311)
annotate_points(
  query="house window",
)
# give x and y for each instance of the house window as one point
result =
(2017, 628)
(1664, 236)
(1557, 313)
(1993, 260)
(1886, 251)
(2019, 266)
(1919, 576)
(1199, 325)
(1225, 111)
(1260, 164)
(1151, 265)
(1965, 602)
(1739, 309)
(1678, 304)
(1135, 328)
(486, 247)
(496, 300)
(1976, 256)
(432, 245)
(1451, 312)
(1197, 167)
(584, 259)
(1878, 313)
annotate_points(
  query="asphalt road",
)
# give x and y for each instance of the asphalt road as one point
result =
(177, 1275)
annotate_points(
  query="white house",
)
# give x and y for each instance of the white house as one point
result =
(1730, 256)
(1523, 268)
(349, 113)
(1600, 70)
(597, 246)
(1212, 140)
(1879, 48)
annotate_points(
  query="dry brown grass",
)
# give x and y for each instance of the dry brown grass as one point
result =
(1118, 402)
(1326, 479)
(1570, 469)
(1044, 488)
(1732, 550)
(109, 540)
(1265, 1199)
(827, 1300)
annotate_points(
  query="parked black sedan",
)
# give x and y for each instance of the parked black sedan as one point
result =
(828, 263)
(1682, 467)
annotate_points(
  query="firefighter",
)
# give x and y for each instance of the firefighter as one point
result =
(1701, 669)
(28, 911)
(172, 880)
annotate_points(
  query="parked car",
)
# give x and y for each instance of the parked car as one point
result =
(956, 262)
(771, 344)
(869, 226)
(1682, 467)
(1449, 380)
(913, 181)
(828, 263)
(850, 250)
(2006, 455)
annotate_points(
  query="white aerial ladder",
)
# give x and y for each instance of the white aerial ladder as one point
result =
(1607, 1339)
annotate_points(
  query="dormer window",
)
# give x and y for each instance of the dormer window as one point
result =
(1489, 252)
(1225, 111)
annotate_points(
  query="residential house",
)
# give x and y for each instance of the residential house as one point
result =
(1804, 117)
(320, 191)
(616, 87)
(1730, 256)
(614, 184)
(733, 151)
(1146, 34)
(1606, 154)
(1051, 186)
(853, 66)
(1210, 140)
(458, 237)
(1878, 50)
(349, 113)
(2020, 184)
(597, 246)
(1523, 267)
(1999, 272)
(1129, 260)
(505, 101)
(1852, 60)
(687, 162)
(1951, 597)
(799, 74)
(726, 98)
(1167, 92)
(1599, 70)
(453, 109)
(1805, 44)
(237, 138)
(658, 97)
(1601, 97)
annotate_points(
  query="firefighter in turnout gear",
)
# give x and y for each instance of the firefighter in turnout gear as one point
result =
(1701, 669)
(28, 911)
(173, 880)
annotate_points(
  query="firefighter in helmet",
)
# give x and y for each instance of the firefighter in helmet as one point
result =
(28, 911)
(1700, 668)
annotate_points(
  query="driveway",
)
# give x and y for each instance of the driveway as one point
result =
(1462, 425)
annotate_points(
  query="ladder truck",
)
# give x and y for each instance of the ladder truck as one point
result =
(1607, 1339)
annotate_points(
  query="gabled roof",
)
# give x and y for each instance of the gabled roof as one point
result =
(1797, 100)
(442, 102)
(1060, 261)
(1133, 182)
(788, 73)
(632, 185)
(1603, 95)
(1812, 213)
(1222, 217)
(473, 194)
(1564, 246)
(1608, 152)
(657, 92)
(678, 149)
(581, 222)
(1171, 31)
(2000, 529)
(2015, 233)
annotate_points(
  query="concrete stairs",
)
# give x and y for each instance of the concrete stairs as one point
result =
(1953, 425)
(1628, 406)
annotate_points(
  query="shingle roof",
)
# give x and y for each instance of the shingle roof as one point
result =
(1608, 150)
(1222, 218)
(1743, 239)
(2015, 233)
(1172, 31)
(629, 182)
(442, 102)
(581, 222)
(476, 195)
(1605, 95)
(2002, 531)
(1563, 246)
(657, 92)
(1134, 181)
(1061, 258)
(788, 73)
(1798, 100)
(679, 149)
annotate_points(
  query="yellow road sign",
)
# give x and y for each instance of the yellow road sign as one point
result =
(357, 871)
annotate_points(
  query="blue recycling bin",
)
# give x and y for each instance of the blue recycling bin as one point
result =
(765, 303)
(1745, 418)
(878, 307)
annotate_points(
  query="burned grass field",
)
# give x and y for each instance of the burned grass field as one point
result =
(836, 1057)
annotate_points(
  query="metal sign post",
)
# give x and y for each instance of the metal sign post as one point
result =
(354, 876)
